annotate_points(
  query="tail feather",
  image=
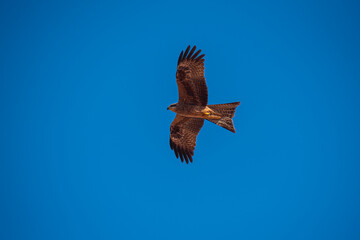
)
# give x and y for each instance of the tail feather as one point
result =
(224, 122)
(227, 110)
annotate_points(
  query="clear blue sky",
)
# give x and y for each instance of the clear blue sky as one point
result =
(84, 134)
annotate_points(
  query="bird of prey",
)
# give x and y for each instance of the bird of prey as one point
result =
(192, 109)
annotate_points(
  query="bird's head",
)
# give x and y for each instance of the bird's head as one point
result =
(172, 107)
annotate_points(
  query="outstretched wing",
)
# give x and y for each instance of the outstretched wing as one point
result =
(190, 78)
(183, 133)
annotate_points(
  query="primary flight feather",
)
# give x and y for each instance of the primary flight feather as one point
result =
(192, 108)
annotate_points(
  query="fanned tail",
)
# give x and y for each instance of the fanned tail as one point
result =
(227, 111)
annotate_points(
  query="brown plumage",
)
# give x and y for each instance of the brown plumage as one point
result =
(190, 78)
(183, 133)
(192, 106)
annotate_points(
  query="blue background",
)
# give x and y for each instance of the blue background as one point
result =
(84, 136)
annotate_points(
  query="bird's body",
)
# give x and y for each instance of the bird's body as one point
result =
(192, 108)
(195, 111)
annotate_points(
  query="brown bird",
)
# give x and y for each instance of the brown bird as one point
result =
(192, 108)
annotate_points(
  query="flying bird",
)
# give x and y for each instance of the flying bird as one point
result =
(192, 109)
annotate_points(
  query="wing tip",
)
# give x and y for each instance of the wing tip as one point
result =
(191, 52)
(190, 55)
(182, 153)
(200, 58)
(186, 52)
(180, 57)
